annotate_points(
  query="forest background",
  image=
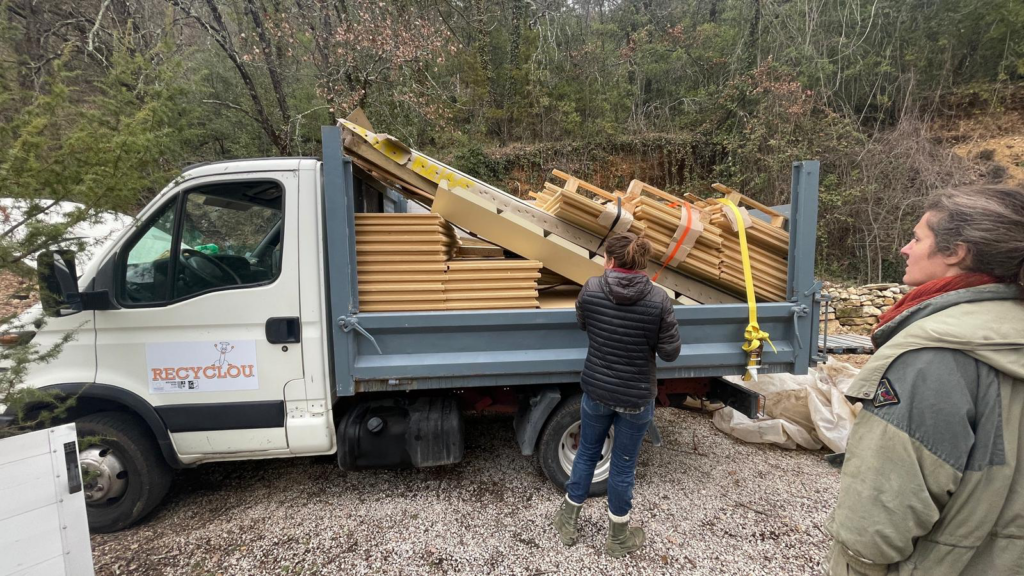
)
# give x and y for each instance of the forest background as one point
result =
(103, 102)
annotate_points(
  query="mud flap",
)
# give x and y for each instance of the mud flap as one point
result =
(531, 417)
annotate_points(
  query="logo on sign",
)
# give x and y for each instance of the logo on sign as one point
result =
(231, 366)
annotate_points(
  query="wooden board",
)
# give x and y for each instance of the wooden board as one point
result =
(411, 218)
(367, 278)
(378, 226)
(489, 294)
(402, 237)
(406, 267)
(380, 258)
(478, 285)
(474, 248)
(490, 304)
(381, 247)
(414, 287)
(477, 266)
(408, 297)
(400, 307)
(486, 275)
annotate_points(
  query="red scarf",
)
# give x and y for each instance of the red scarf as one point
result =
(934, 288)
(628, 271)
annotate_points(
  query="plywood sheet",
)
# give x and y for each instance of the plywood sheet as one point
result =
(401, 236)
(381, 258)
(490, 294)
(490, 304)
(367, 278)
(410, 297)
(469, 275)
(474, 248)
(493, 265)
(490, 285)
(407, 287)
(400, 307)
(386, 267)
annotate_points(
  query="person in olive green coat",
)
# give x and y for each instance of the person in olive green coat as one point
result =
(930, 484)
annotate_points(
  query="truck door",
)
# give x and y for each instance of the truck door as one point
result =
(208, 327)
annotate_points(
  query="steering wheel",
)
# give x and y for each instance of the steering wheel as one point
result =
(207, 268)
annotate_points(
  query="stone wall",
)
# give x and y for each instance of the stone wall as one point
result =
(856, 310)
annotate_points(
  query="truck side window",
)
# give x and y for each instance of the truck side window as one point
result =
(148, 261)
(229, 235)
(229, 238)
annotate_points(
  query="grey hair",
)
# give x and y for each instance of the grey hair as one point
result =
(988, 221)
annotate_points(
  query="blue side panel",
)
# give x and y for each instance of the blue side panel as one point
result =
(486, 348)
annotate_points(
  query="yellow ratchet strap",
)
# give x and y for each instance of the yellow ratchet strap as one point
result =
(753, 335)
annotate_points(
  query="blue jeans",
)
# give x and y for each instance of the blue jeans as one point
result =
(596, 419)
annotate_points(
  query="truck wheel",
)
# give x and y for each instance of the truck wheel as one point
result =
(559, 441)
(123, 471)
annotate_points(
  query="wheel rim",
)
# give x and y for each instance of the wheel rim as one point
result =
(105, 476)
(570, 444)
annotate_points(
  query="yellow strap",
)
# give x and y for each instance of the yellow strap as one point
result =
(753, 334)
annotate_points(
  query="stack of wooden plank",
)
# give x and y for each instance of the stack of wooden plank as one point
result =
(715, 255)
(661, 222)
(400, 261)
(569, 203)
(401, 237)
(542, 198)
(768, 247)
(582, 212)
(491, 283)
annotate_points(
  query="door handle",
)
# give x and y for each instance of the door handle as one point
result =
(283, 330)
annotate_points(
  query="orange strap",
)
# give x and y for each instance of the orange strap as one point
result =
(679, 244)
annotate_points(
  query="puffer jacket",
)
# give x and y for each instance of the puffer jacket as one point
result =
(627, 320)
(931, 485)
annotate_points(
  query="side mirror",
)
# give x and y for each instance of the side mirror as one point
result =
(58, 286)
(58, 280)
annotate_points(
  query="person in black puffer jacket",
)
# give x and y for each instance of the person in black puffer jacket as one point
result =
(628, 320)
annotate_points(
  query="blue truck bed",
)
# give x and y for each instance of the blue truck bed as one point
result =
(388, 351)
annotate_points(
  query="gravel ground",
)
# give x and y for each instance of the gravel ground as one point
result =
(710, 505)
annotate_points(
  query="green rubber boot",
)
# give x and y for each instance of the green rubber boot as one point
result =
(565, 521)
(623, 538)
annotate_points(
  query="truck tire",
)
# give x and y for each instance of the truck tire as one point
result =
(123, 471)
(558, 443)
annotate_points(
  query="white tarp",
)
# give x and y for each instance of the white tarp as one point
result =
(85, 237)
(800, 411)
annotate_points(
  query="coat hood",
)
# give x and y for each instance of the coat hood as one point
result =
(986, 322)
(624, 288)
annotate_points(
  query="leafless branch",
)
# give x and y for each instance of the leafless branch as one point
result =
(233, 107)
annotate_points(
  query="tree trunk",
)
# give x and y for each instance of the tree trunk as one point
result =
(268, 55)
(219, 32)
(754, 36)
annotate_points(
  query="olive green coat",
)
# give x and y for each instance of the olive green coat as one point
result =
(930, 485)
